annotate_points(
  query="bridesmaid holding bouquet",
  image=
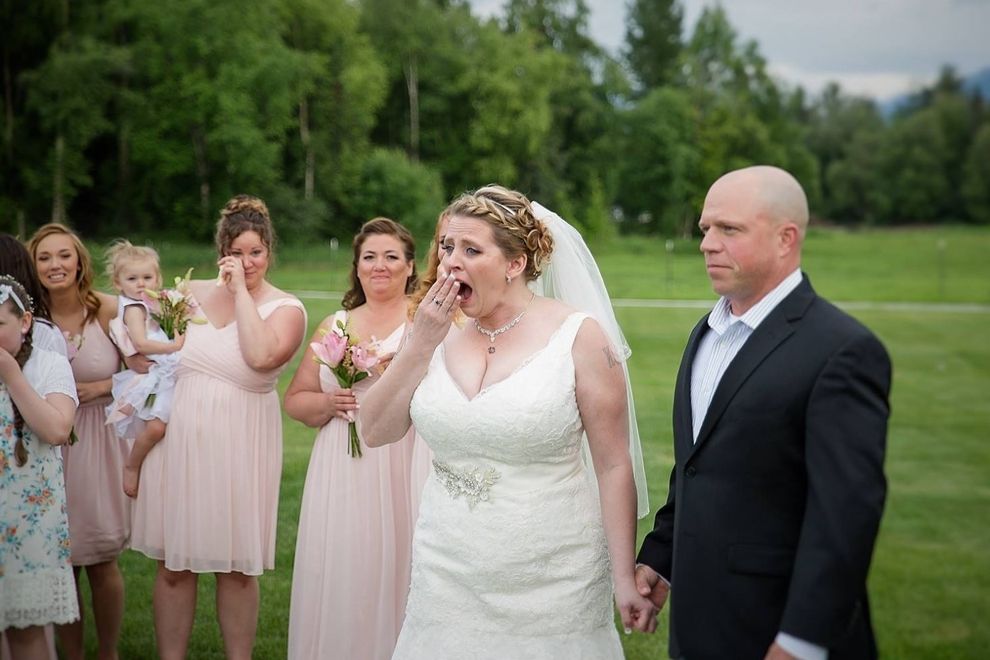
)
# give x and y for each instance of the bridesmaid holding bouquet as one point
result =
(353, 548)
(208, 499)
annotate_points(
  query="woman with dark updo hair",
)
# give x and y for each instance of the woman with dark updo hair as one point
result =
(209, 490)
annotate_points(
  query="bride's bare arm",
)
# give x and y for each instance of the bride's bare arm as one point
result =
(384, 411)
(601, 397)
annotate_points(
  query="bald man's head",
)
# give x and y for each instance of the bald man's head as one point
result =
(754, 222)
(776, 193)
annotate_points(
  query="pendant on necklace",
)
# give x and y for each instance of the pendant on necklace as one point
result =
(491, 349)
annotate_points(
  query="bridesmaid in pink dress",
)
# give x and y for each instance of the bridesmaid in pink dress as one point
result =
(209, 490)
(353, 549)
(99, 515)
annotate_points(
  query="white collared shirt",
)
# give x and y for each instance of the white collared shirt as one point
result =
(715, 353)
(720, 345)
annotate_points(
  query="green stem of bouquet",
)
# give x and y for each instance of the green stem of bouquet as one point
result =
(354, 446)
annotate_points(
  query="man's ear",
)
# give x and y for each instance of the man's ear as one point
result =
(788, 238)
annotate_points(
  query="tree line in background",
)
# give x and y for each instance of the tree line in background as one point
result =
(133, 117)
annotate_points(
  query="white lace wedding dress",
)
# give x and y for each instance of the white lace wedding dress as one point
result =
(509, 555)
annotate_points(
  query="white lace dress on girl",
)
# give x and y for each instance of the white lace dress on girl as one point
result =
(138, 398)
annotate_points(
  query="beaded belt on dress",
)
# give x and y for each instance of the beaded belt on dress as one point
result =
(474, 483)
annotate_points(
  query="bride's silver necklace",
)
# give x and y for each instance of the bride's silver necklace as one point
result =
(492, 334)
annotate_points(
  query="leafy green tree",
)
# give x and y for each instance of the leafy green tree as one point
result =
(70, 93)
(857, 191)
(25, 176)
(342, 90)
(742, 116)
(393, 185)
(976, 177)
(837, 128)
(561, 24)
(571, 169)
(653, 41)
(958, 126)
(511, 97)
(220, 93)
(483, 99)
(404, 33)
(659, 186)
(913, 157)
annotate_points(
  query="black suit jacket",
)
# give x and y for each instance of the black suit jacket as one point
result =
(772, 514)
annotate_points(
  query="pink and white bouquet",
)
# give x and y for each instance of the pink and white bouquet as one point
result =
(351, 361)
(174, 309)
(72, 344)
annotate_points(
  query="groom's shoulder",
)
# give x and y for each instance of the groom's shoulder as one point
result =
(834, 329)
(826, 315)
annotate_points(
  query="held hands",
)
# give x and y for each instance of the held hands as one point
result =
(636, 610)
(432, 320)
(650, 586)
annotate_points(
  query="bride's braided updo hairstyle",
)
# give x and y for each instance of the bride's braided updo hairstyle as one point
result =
(514, 226)
(244, 213)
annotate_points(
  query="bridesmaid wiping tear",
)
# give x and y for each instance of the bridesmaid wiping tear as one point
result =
(209, 490)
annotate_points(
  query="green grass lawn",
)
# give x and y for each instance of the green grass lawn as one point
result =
(929, 581)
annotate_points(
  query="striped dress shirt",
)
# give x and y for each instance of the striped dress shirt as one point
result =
(715, 353)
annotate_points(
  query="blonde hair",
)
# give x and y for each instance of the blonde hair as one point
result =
(84, 272)
(429, 276)
(122, 252)
(516, 229)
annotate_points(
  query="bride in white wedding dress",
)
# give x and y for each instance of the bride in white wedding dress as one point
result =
(512, 555)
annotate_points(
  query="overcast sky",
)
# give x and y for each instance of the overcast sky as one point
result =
(879, 48)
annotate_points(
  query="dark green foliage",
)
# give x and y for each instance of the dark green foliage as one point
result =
(124, 117)
(653, 41)
(392, 185)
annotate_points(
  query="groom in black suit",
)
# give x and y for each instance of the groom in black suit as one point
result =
(780, 423)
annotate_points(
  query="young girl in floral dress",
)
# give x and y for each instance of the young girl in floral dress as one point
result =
(141, 402)
(37, 408)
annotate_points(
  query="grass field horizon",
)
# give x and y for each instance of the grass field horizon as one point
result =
(929, 582)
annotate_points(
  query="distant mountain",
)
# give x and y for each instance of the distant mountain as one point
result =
(978, 82)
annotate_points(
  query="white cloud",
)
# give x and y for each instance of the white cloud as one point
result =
(875, 47)
(880, 85)
(879, 48)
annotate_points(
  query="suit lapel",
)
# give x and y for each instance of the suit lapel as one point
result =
(774, 329)
(683, 413)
